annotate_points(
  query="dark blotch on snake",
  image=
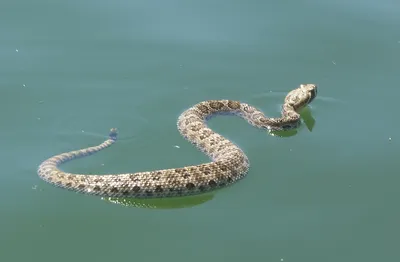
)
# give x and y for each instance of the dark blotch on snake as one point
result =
(223, 167)
(178, 170)
(234, 104)
(204, 109)
(190, 186)
(216, 105)
(134, 178)
(212, 183)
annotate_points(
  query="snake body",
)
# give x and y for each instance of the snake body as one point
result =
(229, 163)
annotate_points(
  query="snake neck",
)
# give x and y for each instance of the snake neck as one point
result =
(195, 117)
(290, 115)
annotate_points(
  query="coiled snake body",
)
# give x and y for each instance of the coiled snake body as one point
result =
(229, 163)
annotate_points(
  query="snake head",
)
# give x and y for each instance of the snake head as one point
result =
(301, 96)
(113, 134)
(310, 91)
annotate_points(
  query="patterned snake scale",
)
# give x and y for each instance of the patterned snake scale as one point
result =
(229, 163)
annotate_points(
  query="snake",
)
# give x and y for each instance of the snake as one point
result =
(228, 163)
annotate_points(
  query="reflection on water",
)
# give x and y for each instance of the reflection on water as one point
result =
(308, 121)
(162, 203)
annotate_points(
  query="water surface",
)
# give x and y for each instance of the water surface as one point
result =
(72, 70)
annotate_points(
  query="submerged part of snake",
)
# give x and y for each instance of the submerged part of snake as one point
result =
(229, 164)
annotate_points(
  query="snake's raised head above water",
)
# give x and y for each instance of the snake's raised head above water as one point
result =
(301, 96)
(113, 134)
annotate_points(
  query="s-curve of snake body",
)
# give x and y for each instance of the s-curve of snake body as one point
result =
(228, 163)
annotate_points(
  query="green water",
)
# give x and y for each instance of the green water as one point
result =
(71, 70)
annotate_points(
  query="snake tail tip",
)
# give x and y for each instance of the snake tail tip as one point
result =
(113, 134)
